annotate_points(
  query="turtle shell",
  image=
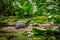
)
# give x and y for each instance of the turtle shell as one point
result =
(20, 24)
(21, 21)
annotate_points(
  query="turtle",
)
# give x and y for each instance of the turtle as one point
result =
(21, 24)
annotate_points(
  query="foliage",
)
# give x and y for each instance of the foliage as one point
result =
(39, 32)
(30, 8)
(17, 36)
(47, 33)
(39, 11)
(27, 7)
(57, 18)
(42, 31)
(39, 20)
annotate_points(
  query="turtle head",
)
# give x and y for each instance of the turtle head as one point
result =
(27, 23)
